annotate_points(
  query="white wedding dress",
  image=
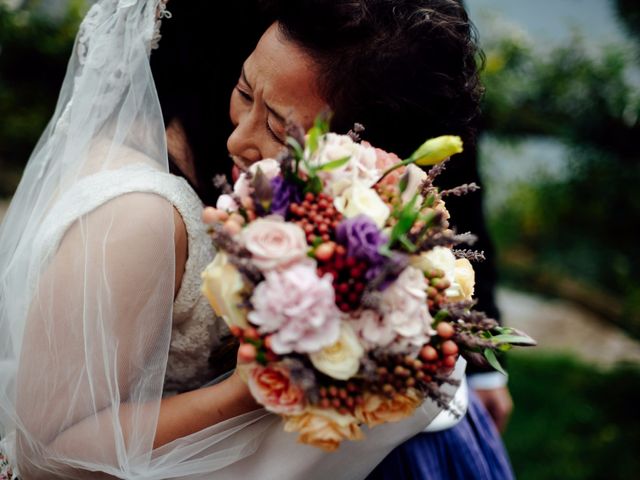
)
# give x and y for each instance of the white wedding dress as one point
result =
(93, 333)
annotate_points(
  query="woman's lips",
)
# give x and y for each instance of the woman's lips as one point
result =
(235, 173)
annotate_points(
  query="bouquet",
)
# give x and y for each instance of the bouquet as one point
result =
(338, 273)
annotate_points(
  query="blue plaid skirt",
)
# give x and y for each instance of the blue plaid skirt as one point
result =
(472, 450)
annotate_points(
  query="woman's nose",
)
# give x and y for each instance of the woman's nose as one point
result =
(243, 141)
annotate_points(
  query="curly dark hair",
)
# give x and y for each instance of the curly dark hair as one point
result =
(405, 69)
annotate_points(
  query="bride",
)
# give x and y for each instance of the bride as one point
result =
(107, 345)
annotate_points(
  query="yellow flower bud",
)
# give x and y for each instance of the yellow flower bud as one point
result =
(437, 149)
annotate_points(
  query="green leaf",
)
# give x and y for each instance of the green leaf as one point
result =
(406, 219)
(440, 316)
(314, 185)
(298, 151)
(404, 181)
(522, 340)
(332, 165)
(493, 360)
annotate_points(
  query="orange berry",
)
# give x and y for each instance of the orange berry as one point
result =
(428, 353)
(445, 330)
(449, 347)
(247, 353)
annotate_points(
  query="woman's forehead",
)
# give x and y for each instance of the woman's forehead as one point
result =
(285, 75)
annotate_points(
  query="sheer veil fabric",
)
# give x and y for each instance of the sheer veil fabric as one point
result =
(87, 288)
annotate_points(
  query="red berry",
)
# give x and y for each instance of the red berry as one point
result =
(343, 288)
(325, 403)
(449, 347)
(351, 262)
(449, 361)
(344, 307)
(353, 298)
(309, 197)
(340, 250)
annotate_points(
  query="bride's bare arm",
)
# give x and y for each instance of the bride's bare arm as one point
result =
(96, 345)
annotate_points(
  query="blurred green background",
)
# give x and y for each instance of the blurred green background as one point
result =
(560, 168)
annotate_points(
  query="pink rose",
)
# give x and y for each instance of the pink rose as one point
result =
(274, 243)
(272, 387)
(298, 307)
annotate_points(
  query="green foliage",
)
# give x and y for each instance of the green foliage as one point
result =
(573, 421)
(34, 51)
(582, 226)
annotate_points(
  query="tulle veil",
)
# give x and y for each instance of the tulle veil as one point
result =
(86, 292)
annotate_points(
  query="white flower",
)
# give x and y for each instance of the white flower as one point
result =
(222, 285)
(226, 203)
(342, 359)
(268, 166)
(362, 200)
(415, 178)
(361, 166)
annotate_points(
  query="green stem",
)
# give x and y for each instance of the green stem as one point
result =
(403, 163)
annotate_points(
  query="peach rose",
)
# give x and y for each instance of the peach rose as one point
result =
(325, 429)
(378, 409)
(272, 387)
(274, 243)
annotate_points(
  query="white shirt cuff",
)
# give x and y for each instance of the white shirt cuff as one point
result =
(487, 381)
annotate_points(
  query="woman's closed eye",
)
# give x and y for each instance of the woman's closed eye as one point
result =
(244, 94)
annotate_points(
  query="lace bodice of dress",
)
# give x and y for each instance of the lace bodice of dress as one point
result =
(196, 332)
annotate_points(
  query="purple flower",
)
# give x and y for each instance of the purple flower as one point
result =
(284, 194)
(362, 238)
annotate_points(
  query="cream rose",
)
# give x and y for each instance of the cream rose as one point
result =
(362, 200)
(415, 178)
(458, 272)
(222, 285)
(274, 243)
(342, 359)
(325, 429)
(441, 258)
(465, 280)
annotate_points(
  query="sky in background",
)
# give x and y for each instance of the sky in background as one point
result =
(553, 21)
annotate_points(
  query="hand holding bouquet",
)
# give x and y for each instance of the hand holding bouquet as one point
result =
(337, 272)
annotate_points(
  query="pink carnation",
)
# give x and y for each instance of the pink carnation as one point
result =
(373, 331)
(404, 308)
(385, 160)
(298, 307)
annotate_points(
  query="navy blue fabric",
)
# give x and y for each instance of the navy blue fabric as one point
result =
(472, 450)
